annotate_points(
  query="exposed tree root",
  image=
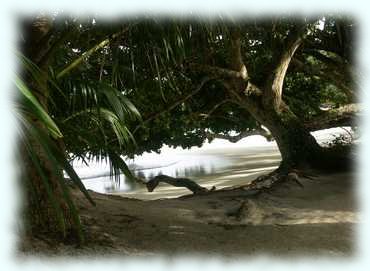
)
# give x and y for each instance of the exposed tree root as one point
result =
(261, 184)
(280, 175)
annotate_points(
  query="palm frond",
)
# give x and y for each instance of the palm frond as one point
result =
(118, 165)
(121, 106)
(38, 75)
(31, 103)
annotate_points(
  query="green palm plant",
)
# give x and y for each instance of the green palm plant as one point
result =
(99, 106)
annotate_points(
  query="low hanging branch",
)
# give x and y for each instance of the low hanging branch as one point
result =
(236, 138)
(214, 108)
(342, 116)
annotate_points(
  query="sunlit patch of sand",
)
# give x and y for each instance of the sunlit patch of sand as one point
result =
(270, 215)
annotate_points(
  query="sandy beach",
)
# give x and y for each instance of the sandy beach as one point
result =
(318, 219)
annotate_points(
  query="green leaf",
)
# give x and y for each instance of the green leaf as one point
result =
(118, 163)
(37, 109)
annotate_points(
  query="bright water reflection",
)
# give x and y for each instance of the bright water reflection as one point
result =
(219, 159)
(96, 176)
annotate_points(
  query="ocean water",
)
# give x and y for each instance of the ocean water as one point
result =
(212, 159)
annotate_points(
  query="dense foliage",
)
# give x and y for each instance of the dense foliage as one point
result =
(148, 64)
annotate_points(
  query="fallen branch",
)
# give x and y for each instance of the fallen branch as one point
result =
(178, 182)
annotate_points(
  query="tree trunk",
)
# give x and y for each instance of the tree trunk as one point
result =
(43, 215)
(297, 146)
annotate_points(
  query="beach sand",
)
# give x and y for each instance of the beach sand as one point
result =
(318, 220)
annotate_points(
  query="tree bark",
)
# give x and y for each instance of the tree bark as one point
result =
(41, 213)
(338, 117)
(297, 146)
(178, 182)
(235, 138)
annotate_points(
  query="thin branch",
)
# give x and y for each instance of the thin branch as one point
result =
(323, 41)
(237, 68)
(215, 107)
(174, 105)
(90, 52)
(323, 58)
(216, 72)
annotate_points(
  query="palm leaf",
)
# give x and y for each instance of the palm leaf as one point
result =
(36, 108)
(118, 164)
(38, 75)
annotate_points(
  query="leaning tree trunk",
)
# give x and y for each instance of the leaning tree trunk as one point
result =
(265, 103)
(298, 148)
(41, 214)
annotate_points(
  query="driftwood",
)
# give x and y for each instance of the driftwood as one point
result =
(178, 182)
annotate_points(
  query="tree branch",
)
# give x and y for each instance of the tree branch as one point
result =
(178, 182)
(275, 81)
(237, 63)
(214, 108)
(237, 68)
(259, 131)
(174, 105)
(90, 52)
(329, 43)
(342, 116)
(216, 72)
